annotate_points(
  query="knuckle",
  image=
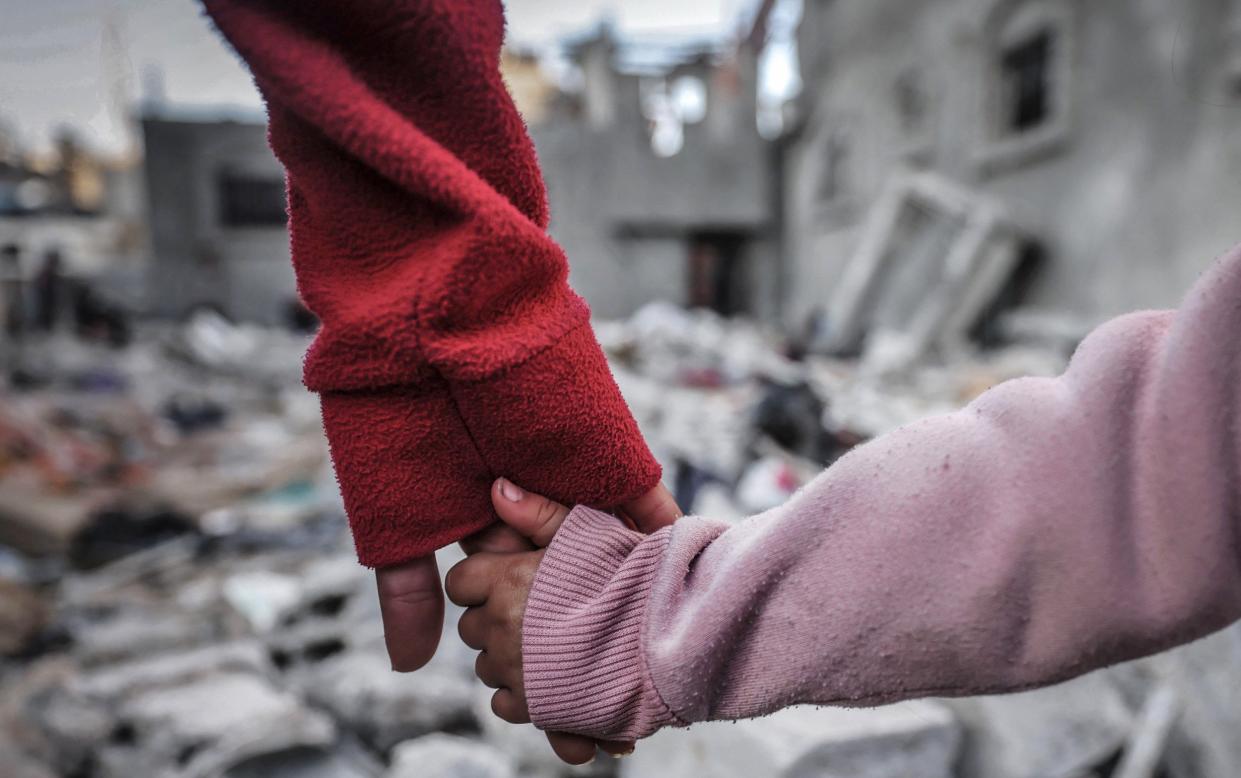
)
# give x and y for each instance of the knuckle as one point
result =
(415, 597)
(467, 629)
(546, 511)
(509, 707)
(500, 705)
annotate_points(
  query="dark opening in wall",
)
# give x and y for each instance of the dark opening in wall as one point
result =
(251, 201)
(1031, 259)
(1026, 82)
(911, 102)
(717, 273)
(833, 174)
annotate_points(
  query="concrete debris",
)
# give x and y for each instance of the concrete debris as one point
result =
(23, 615)
(526, 746)
(41, 524)
(138, 631)
(363, 693)
(263, 597)
(19, 765)
(203, 727)
(912, 740)
(119, 681)
(347, 759)
(1205, 676)
(179, 596)
(448, 756)
(772, 479)
(1064, 730)
(699, 347)
(1149, 738)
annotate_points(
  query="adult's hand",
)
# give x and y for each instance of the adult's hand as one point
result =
(411, 600)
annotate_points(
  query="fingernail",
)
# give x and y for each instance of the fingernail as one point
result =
(510, 490)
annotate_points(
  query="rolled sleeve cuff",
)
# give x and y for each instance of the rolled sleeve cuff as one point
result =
(582, 635)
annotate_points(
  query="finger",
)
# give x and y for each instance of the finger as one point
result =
(534, 516)
(498, 537)
(411, 605)
(488, 671)
(469, 581)
(573, 749)
(472, 627)
(616, 747)
(654, 510)
(506, 704)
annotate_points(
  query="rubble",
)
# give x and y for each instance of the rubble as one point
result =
(526, 746)
(1149, 738)
(23, 614)
(179, 596)
(361, 691)
(446, 756)
(40, 524)
(1068, 730)
(911, 740)
(345, 759)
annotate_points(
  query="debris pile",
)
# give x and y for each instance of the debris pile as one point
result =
(179, 596)
(740, 425)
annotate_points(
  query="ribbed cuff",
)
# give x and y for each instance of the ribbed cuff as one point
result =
(558, 425)
(415, 463)
(582, 636)
(411, 478)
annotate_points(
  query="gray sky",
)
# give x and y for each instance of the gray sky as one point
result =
(78, 62)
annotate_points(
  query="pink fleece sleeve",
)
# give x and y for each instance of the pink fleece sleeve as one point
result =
(1052, 527)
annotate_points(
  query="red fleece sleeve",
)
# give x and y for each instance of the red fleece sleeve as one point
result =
(452, 349)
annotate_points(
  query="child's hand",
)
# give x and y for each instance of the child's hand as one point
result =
(494, 587)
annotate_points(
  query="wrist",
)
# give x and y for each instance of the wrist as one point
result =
(583, 636)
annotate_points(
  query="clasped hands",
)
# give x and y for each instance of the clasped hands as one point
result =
(493, 583)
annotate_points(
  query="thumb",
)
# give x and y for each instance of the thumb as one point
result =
(534, 516)
(411, 604)
(652, 511)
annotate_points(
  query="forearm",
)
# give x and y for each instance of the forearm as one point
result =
(1052, 527)
(418, 227)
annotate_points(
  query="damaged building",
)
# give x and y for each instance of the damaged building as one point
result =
(179, 595)
(215, 195)
(1042, 164)
(1097, 140)
(661, 187)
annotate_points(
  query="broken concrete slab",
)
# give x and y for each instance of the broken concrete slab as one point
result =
(347, 759)
(449, 756)
(384, 707)
(913, 740)
(137, 631)
(1066, 729)
(206, 726)
(115, 682)
(69, 728)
